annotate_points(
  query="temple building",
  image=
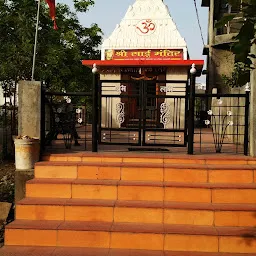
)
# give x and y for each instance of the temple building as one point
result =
(144, 72)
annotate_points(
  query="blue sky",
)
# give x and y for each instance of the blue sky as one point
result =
(108, 13)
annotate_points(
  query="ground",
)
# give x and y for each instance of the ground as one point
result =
(7, 172)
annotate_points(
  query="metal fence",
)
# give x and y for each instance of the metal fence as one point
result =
(221, 123)
(66, 121)
(145, 113)
(8, 123)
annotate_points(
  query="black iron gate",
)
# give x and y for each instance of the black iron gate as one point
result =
(143, 112)
(146, 113)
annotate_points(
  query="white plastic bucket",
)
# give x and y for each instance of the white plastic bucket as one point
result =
(27, 153)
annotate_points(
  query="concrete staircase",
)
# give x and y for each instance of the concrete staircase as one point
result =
(137, 204)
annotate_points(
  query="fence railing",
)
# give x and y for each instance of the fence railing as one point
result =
(221, 123)
(213, 123)
(66, 120)
(8, 120)
(8, 129)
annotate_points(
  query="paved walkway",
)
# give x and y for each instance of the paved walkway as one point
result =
(203, 144)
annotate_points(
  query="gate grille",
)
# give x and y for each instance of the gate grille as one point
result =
(143, 112)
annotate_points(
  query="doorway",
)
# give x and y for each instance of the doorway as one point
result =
(143, 88)
(142, 112)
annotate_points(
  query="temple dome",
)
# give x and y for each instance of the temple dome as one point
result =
(147, 25)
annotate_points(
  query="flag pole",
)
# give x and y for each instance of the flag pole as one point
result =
(35, 45)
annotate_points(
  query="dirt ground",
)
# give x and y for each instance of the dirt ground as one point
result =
(7, 175)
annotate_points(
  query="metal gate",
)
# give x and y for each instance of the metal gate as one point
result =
(143, 112)
(147, 113)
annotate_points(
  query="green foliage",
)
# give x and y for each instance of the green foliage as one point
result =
(243, 41)
(59, 53)
(240, 74)
(82, 5)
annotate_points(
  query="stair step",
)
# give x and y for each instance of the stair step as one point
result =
(141, 183)
(149, 164)
(149, 158)
(137, 204)
(142, 190)
(148, 172)
(136, 211)
(140, 236)
(64, 251)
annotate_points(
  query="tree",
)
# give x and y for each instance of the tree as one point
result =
(59, 53)
(243, 41)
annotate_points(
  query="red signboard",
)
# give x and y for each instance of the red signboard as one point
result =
(165, 54)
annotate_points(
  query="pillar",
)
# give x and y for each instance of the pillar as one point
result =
(29, 113)
(252, 120)
(29, 123)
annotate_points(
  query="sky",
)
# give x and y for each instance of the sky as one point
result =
(108, 13)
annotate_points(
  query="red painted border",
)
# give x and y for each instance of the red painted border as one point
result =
(139, 63)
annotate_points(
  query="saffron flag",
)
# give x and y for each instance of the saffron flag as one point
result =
(51, 4)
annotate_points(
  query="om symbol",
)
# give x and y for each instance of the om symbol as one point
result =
(145, 27)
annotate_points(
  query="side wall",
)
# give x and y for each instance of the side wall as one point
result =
(221, 62)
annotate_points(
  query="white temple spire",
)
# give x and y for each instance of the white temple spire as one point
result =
(147, 25)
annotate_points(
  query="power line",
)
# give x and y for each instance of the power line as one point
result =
(198, 20)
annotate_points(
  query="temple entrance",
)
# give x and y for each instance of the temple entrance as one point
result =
(143, 109)
(147, 104)
(145, 113)
(147, 87)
